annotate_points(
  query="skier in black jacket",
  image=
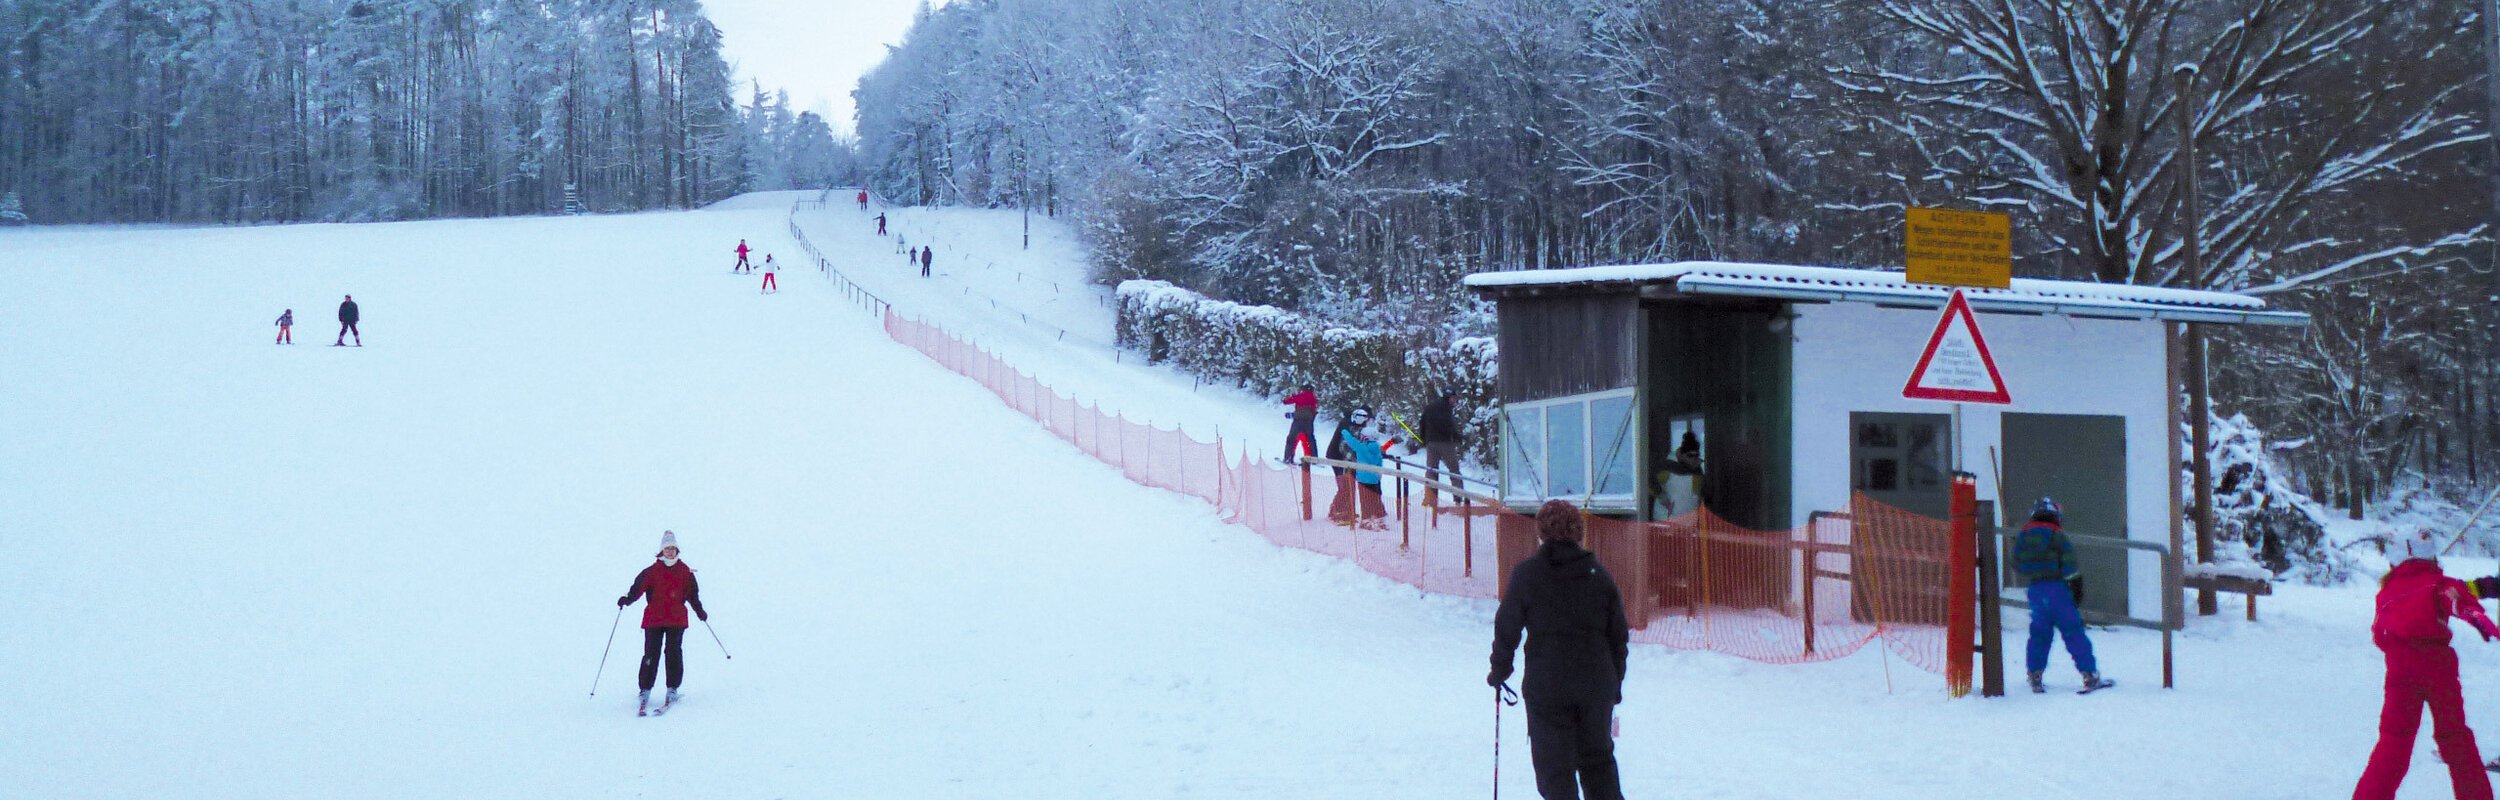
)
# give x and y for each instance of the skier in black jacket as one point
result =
(1578, 643)
(347, 323)
(1440, 443)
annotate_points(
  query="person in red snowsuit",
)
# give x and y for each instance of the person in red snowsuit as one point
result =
(769, 286)
(863, 199)
(1305, 414)
(742, 258)
(671, 587)
(2414, 605)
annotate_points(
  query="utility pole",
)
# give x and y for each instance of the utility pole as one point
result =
(1024, 191)
(2200, 389)
(2476, 381)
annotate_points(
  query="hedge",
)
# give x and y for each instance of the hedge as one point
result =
(1271, 351)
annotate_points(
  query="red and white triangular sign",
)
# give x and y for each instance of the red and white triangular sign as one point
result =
(1956, 366)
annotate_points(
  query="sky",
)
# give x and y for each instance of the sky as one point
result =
(817, 49)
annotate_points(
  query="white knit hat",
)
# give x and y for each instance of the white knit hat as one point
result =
(2419, 543)
(668, 539)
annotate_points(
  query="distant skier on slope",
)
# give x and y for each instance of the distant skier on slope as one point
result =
(1305, 414)
(881, 223)
(2411, 627)
(1579, 645)
(863, 199)
(2044, 560)
(925, 254)
(286, 326)
(742, 265)
(769, 266)
(348, 315)
(671, 587)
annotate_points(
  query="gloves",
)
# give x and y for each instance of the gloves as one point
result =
(699, 615)
(1496, 677)
(2074, 586)
(2486, 588)
(622, 601)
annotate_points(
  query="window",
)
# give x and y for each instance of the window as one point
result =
(1558, 448)
(1523, 452)
(1613, 445)
(1566, 450)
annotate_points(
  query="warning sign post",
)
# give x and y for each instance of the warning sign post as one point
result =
(1956, 366)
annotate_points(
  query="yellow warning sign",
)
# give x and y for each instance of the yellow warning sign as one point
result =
(1960, 248)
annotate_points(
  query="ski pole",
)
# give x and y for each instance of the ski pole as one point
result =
(603, 652)
(2469, 522)
(724, 649)
(1502, 696)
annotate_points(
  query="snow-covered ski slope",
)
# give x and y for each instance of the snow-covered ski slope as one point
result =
(243, 570)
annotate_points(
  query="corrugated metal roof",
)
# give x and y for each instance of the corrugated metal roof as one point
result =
(1835, 285)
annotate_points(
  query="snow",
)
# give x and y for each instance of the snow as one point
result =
(2025, 295)
(249, 570)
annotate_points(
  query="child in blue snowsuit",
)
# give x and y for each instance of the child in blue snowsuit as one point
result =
(1361, 448)
(2044, 560)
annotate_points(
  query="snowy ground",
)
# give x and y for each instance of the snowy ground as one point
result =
(249, 570)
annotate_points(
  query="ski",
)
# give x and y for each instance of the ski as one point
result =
(2103, 684)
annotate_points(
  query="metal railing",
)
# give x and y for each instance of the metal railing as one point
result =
(850, 289)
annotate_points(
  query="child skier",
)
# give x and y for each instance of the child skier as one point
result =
(2414, 604)
(880, 223)
(286, 323)
(742, 265)
(670, 584)
(2045, 560)
(1358, 491)
(1369, 450)
(769, 266)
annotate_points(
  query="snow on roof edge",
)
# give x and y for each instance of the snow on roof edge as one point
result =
(1732, 276)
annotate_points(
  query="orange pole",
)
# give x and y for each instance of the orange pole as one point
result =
(1306, 492)
(1962, 590)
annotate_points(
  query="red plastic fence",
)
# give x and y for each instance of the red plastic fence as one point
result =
(1697, 582)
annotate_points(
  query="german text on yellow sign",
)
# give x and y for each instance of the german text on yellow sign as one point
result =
(1960, 248)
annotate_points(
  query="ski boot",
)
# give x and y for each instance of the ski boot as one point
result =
(2093, 682)
(643, 709)
(671, 700)
(2036, 686)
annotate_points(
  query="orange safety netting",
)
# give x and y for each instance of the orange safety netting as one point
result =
(1820, 591)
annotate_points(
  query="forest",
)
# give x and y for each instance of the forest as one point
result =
(242, 111)
(1351, 160)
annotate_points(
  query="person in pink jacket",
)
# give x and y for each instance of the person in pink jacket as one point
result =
(2415, 603)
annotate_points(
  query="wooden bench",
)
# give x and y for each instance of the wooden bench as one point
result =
(2196, 578)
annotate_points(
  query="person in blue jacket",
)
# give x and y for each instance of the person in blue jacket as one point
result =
(2044, 560)
(1368, 450)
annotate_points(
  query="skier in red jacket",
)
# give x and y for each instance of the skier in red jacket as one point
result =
(742, 266)
(2414, 604)
(670, 583)
(1305, 414)
(863, 199)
